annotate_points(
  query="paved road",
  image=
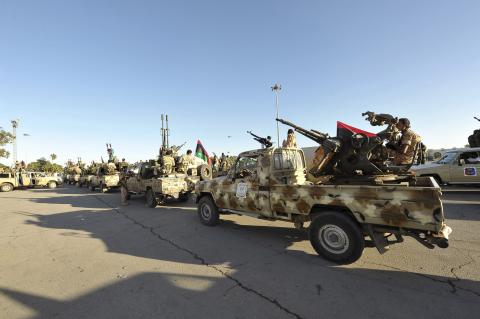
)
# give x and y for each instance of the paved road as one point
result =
(68, 253)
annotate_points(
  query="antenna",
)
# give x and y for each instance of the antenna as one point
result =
(167, 131)
(162, 131)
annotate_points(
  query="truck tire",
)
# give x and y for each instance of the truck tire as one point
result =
(208, 211)
(102, 188)
(6, 187)
(336, 237)
(205, 172)
(52, 184)
(150, 198)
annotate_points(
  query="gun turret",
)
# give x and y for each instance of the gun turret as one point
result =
(265, 141)
(175, 149)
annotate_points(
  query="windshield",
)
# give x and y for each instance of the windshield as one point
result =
(448, 158)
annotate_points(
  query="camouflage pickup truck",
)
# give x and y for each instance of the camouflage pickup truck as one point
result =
(271, 184)
(158, 188)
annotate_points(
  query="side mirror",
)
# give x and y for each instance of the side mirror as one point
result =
(461, 162)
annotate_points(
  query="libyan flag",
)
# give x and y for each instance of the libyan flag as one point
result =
(200, 152)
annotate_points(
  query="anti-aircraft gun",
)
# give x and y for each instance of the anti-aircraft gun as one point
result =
(355, 155)
(474, 139)
(265, 141)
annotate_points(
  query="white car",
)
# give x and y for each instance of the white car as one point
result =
(459, 166)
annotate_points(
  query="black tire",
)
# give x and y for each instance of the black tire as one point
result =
(6, 187)
(150, 198)
(336, 237)
(208, 211)
(205, 172)
(52, 185)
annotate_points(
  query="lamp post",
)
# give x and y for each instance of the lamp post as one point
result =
(276, 88)
(14, 133)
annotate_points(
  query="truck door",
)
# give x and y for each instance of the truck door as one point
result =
(133, 182)
(287, 173)
(466, 169)
(243, 193)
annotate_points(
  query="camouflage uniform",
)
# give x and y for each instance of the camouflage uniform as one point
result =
(168, 163)
(123, 188)
(410, 139)
(290, 142)
(186, 161)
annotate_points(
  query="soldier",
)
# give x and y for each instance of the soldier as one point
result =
(214, 162)
(123, 188)
(291, 141)
(404, 151)
(186, 160)
(168, 162)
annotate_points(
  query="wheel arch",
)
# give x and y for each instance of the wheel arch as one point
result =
(318, 209)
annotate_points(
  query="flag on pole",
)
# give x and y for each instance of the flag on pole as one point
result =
(200, 152)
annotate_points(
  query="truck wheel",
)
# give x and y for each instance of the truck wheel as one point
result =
(151, 199)
(6, 187)
(336, 237)
(208, 211)
(102, 188)
(205, 172)
(52, 184)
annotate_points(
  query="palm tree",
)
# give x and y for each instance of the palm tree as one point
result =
(53, 156)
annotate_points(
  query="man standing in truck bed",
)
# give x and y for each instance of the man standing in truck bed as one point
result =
(405, 150)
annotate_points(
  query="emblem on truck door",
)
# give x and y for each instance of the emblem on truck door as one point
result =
(242, 190)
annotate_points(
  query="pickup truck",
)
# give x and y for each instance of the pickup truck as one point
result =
(458, 166)
(146, 178)
(104, 181)
(271, 184)
(10, 180)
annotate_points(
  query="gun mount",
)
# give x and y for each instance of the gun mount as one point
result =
(353, 152)
(265, 141)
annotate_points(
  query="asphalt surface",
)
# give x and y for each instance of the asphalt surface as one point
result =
(69, 253)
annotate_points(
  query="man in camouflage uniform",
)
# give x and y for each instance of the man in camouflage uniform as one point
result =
(186, 160)
(291, 141)
(405, 149)
(168, 162)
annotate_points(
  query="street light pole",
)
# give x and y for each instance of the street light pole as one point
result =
(14, 133)
(276, 88)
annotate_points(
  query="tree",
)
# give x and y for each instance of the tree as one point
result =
(53, 156)
(42, 165)
(5, 138)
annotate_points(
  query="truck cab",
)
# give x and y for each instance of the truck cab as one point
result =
(458, 166)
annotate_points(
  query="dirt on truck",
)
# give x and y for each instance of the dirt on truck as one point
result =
(271, 183)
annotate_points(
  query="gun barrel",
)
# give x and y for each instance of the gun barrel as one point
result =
(311, 134)
(476, 118)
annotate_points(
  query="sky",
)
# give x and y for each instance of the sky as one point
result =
(79, 74)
